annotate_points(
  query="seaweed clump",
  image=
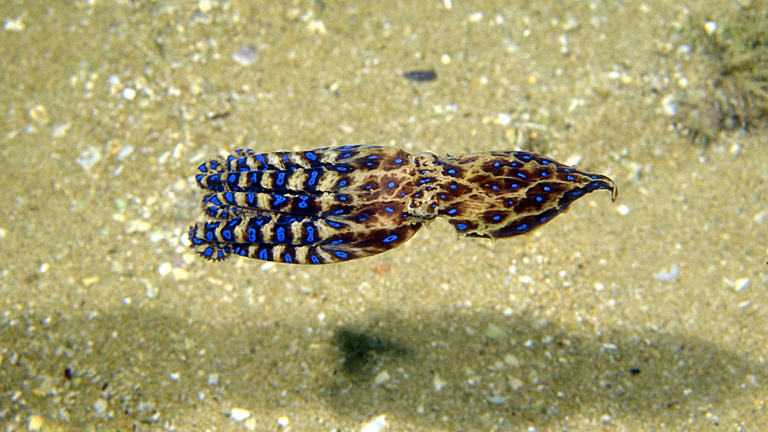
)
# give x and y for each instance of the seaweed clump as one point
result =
(735, 92)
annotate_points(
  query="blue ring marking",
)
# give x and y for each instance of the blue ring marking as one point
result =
(544, 162)
(232, 178)
(543, 173)
(279, 199)
(347, 147)
(227, 234)
(208, 251)
(497, 218)
(341, 254)
(342, 198)
(425, 180)
(280, 233)
(212, 211)
(399, 160)
(594, 176)
(280, 179)
(372, 157)
(262, 159)
(368, 187)
(229, 198)
(453, 186)
(199, 177)
(461, 226)
(202, 168)
(214, 178)
(220, 255)
(391, 184)
(215, 200)
(214, 164)
(547, 188)
(310, 234)
(339, 211)
(312, 178)
(314, 259)
(286, 158)
(389, 209)
(240, 251)
(577, 192)
(334, 224)
(303, 204)
(251, 197)
(522, 227)
(342, 183)
(287, 258)
(539, 199)
(497, 164)
(311, 156)
(510, 203)
(521, 175)
(233, 223)
(515, 185)
(345, 155)
(495, 187)
(524, 157)
(402, 194)
(230, 158)
(336, 242)
(543, 219)
(390, 239)
(567, 170)
(341, 168)
(570, 177)
(242, 161)
(264, 255)
(451, 171)
(451, 211)
(443, 196)
(252, 234)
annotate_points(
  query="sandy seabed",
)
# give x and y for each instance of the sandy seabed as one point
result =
(647, 314)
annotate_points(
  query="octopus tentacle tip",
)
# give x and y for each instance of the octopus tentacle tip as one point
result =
(341, 203)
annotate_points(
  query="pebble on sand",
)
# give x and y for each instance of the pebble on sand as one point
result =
(246, 55)
(667, 275)
(239, 414)
(375, 425)
(35, 423)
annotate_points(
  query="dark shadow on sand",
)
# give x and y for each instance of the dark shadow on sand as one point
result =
(129, 359)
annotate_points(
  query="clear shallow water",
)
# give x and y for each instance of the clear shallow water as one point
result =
(109, 321)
